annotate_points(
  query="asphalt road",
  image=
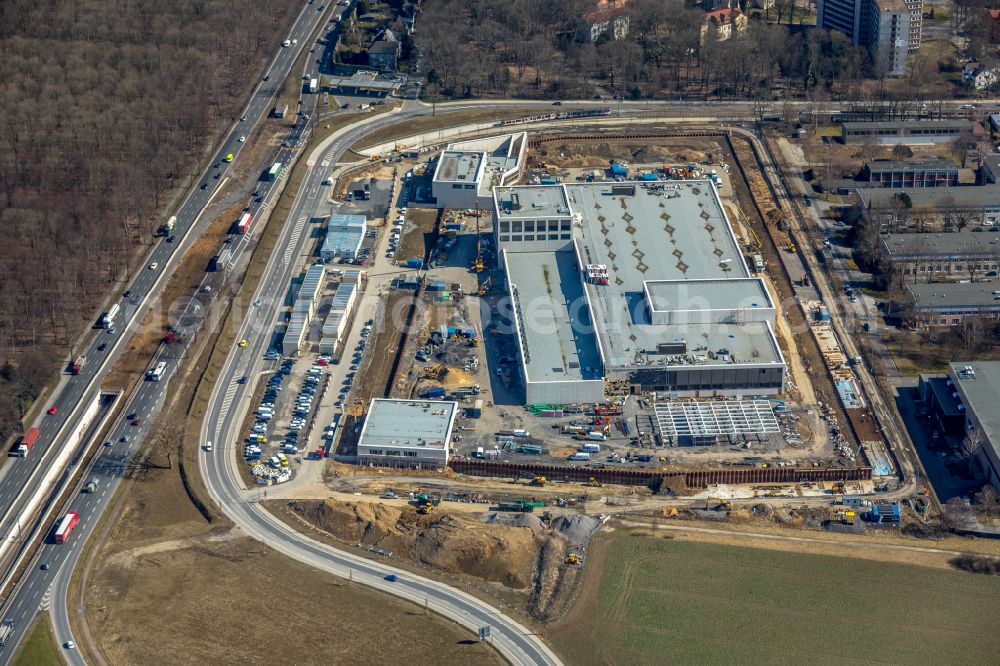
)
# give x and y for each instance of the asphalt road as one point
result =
(20, 478)
(17, 478)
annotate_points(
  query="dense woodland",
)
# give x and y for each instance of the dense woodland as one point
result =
(109, 106)
(529, 48)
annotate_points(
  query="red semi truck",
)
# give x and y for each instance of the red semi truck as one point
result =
(65, 527)
(243, 225)
(27, 441)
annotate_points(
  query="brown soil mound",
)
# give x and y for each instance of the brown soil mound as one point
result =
(452, 543)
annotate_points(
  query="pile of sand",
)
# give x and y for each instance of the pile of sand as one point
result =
(453, 543)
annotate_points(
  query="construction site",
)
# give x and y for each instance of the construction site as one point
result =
(446, 332)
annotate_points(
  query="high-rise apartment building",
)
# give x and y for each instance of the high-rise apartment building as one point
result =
(884, 27)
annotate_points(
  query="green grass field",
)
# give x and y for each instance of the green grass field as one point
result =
(665, 601)
(40, 648)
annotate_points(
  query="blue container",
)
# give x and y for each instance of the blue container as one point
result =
(549, 181)
(649, 176)
(435, 392)
(618, 169)
(415, 263)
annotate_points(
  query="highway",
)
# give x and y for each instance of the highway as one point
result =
(20, 478)
(230, 400)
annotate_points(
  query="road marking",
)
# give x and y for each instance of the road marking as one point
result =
(46, 600)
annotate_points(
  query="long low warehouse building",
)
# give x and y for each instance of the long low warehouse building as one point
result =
(641, 284)
(407, 433)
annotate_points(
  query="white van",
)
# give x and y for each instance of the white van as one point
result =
(208, 446)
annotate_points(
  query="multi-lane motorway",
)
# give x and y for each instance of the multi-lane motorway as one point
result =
(229, 401)
(20, 478)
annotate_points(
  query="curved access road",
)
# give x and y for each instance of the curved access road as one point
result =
(230, 400)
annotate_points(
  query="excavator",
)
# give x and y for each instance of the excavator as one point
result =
(574, 559)
(594, 483)
(484, 288)
(538, 481)
(720, 504)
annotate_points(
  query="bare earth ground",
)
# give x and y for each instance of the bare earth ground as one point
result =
(660, 601)
(168, 582)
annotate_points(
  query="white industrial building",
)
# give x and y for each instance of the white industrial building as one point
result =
(642, 283)
(303, 310)
(344, 235)
(407, 433)
(467, 171)
(335, 326)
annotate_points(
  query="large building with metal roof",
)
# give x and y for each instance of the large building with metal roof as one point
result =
(641, 283)
(407, 433)
(467, 171)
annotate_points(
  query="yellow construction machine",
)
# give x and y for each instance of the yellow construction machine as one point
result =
(538, 481)
(574, 559)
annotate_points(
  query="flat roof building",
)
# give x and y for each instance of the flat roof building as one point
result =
(636, 282)
(896, 175)
(407, 433)
(467, 171)
(978, 385)
(947, 304)
(344, 235)
(887, 28)
(944, 256)
(303, 310)
(363, 82)
(904, 131)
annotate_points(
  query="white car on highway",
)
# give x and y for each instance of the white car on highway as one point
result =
(153, 266)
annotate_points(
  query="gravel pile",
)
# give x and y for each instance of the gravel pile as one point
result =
(514, 520)
(576, 528)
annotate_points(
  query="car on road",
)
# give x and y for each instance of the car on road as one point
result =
(556, 103)
(286, 44)
(392, 578)
(258, 303)
(170, 239)
(204, 186)
(242, 118)
(137, 422)
(101, 347)
(123, 438)
(69, 645)
(153, 266)
(45, 566)
(243, 342)
(242, 139)
(53, 409)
